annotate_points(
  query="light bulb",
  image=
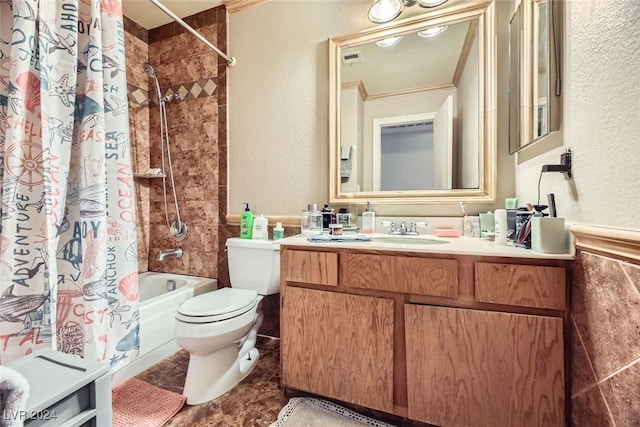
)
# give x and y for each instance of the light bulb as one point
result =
(432, 32)
(389, 41)
(431, 3)
(382, 11)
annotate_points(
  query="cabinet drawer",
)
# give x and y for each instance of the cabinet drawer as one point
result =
(319, 268)
(521, 285)
(423, 276)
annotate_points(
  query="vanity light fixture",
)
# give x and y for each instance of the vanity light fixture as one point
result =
(432, 32)
(389, 41)
(431, 3)
(382, 11)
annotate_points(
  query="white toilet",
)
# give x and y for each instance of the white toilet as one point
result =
(219, 328)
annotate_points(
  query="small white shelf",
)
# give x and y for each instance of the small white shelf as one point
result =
(148, 175)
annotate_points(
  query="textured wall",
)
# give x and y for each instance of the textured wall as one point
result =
(601, 105)
(279, 105)
(605, 329)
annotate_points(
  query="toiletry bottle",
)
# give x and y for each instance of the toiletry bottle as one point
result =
(246, 223)
(344, 217)
(501, 226)
(278, 231)
(368, 221)
(326, 217)
(311, 221)
(260, 228)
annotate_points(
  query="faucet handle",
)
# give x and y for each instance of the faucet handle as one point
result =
(413, 226)
(391, 224)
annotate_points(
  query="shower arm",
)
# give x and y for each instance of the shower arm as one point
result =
(230, 60)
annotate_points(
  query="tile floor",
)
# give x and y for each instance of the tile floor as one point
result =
(255, 402)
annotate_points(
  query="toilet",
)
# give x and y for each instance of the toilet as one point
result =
(218, 329)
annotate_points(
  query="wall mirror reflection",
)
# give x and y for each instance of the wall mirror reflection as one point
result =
(534, 72)
(412, 110)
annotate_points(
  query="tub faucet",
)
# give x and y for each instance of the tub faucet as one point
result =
(171, 253)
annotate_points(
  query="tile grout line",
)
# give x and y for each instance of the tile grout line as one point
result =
(593, 371)
(619, 370)
(631, 282)
(597, 383)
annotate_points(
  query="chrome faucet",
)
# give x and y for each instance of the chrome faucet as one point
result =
(402, 230)
(171, 253)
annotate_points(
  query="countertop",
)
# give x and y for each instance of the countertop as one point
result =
(455, 246)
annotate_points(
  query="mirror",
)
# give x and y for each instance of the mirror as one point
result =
(534, 72)
(413, 110)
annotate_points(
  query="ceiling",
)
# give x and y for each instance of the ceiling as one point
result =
(413, 63)
(146, 14)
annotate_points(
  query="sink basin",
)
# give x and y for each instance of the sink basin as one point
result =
(408, 240)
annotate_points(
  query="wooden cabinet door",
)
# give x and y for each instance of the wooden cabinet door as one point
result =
(480, 368)
(339, 346)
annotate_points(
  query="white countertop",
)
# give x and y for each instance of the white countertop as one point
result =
(455, 246)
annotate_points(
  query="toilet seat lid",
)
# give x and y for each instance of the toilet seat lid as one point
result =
(216, 304)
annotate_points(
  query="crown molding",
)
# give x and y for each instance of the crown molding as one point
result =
(613, 242)
(238, 5)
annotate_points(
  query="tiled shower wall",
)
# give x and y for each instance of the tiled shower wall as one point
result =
(605, 353)
(197, 134)
(137, 53)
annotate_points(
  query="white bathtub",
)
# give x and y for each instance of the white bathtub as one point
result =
(157, 316)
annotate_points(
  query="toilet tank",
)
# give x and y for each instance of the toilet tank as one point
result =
(254, 264)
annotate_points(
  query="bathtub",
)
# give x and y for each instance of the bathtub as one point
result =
(158, 306)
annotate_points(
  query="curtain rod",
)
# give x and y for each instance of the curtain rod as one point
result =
(230, 60)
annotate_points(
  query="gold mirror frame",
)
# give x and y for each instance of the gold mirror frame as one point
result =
(463, 10)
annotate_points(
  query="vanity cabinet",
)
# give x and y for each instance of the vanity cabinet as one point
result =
(445, 339)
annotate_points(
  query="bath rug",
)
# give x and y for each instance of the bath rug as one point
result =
(311, 412)
(140, 404)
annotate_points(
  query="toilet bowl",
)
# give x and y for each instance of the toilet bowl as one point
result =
(219, 329)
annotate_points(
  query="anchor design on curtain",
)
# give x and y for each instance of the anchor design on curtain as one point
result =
(68, 265)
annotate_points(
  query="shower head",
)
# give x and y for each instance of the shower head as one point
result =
(149, 69)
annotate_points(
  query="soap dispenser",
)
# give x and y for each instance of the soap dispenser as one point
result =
(368, 221)
(246, 223)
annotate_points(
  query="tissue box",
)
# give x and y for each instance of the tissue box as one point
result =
(548, 235)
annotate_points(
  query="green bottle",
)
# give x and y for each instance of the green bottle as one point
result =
(246, 223)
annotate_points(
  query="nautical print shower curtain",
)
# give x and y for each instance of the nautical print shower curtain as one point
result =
(68, 264)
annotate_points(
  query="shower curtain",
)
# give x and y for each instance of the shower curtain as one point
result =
(68, 262)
